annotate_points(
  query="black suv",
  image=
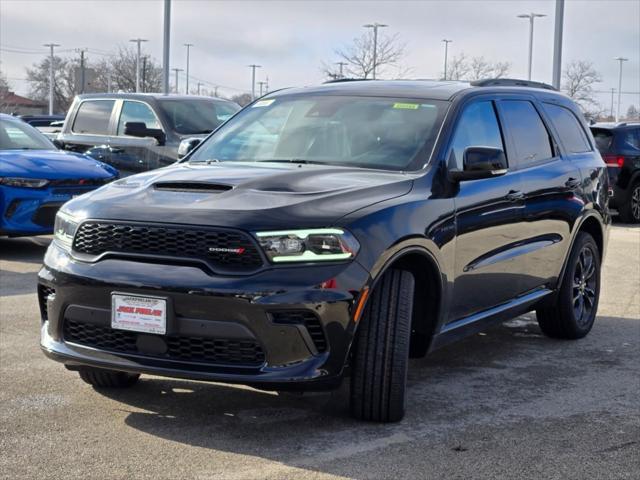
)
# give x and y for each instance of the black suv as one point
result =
(619, 144)
(139, 132)
(330, 230)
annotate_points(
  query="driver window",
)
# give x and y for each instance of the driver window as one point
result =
(477, 127)
(136, 112)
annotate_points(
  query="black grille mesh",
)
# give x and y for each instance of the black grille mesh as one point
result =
(221, 248)
(306, 318)
(179, 348)
(43, 293)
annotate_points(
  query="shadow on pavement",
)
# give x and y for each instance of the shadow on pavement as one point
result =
(475, 380)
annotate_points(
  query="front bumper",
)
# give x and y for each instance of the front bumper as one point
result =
(252, 313)
(31, 211)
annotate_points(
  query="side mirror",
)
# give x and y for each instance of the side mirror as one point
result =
(480, 162)
(139, 129)
(187, 145)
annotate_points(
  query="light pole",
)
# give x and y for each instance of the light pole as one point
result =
(138, 41)
(261, 85)
(557, 44)
(375, 27)
(51, 47)
(612, 92)
(177, 70)
(531, 16)
(166, 44)
(199, 85)
(253, 80)
(621, 60)
(341, 65)
(186, 88)
(446, 51)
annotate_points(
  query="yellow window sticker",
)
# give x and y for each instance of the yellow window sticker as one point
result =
(264, 103)
(407, 106)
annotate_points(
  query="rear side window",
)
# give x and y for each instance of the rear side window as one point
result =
(571, 133)
(93, 117)
(631, 139)
(477, 127)
(530, 136)
(603, 139)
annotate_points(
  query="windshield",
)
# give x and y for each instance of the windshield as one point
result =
(370, 132)
(190, 117)
(17, 135)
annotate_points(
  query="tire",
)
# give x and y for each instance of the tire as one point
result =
(100, 378)
(629, 212)
(576, 306)
(381, 355)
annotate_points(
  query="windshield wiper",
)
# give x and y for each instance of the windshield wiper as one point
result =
(294, 160)
(208, 161)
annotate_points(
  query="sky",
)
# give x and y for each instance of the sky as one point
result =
(291, 39)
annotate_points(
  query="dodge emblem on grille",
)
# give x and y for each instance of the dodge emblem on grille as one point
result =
(237, 251)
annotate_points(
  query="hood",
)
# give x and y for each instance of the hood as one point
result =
(243, 195)
(51, 165)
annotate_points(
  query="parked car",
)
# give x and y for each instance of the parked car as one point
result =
(619, 144)
(52, 130)
(139, 132)
(36, 179)
(41, 120)
(335, 230)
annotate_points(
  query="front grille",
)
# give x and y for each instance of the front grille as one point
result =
(306, 318)
(43, 294)
(225, 249)
(45, 216)
(179, 348)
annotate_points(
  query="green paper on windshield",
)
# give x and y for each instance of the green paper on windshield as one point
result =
(407, 106)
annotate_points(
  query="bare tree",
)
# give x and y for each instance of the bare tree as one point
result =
(358, 56)
(476, 68)
(241, 99)
(64, 81)
(632, 113)
(119, 71)
(579, 78)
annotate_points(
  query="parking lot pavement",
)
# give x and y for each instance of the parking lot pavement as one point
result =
(508, 403)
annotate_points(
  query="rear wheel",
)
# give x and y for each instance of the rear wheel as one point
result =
(575, 310)
(630, 211)
(107, 378)
(379, 374)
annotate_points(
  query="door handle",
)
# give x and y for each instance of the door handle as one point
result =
(572, 183)
(515, 195)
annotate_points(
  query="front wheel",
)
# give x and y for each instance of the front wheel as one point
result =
(575, 310)
(379, 374)
(101, 378)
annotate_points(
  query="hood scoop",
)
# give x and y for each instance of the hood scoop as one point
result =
(198, 187)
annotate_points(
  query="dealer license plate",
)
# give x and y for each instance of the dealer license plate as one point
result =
(138, 313)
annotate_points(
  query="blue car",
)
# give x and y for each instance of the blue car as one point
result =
(36, 178)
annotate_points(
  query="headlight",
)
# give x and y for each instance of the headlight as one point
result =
(322, 244)
(23, 182)
(64, 229)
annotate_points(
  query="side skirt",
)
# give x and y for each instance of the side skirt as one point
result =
(478, 322)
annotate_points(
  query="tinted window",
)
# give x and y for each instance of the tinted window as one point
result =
(16, 135)
(477, 127)
(603, 139)
(137, 112)
(362, 131)
(530, 137)
(93, 117)
(631, 139)
(571, 133)
(196, 116)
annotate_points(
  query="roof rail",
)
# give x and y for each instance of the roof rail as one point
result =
(511, 82)
(339, 80)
